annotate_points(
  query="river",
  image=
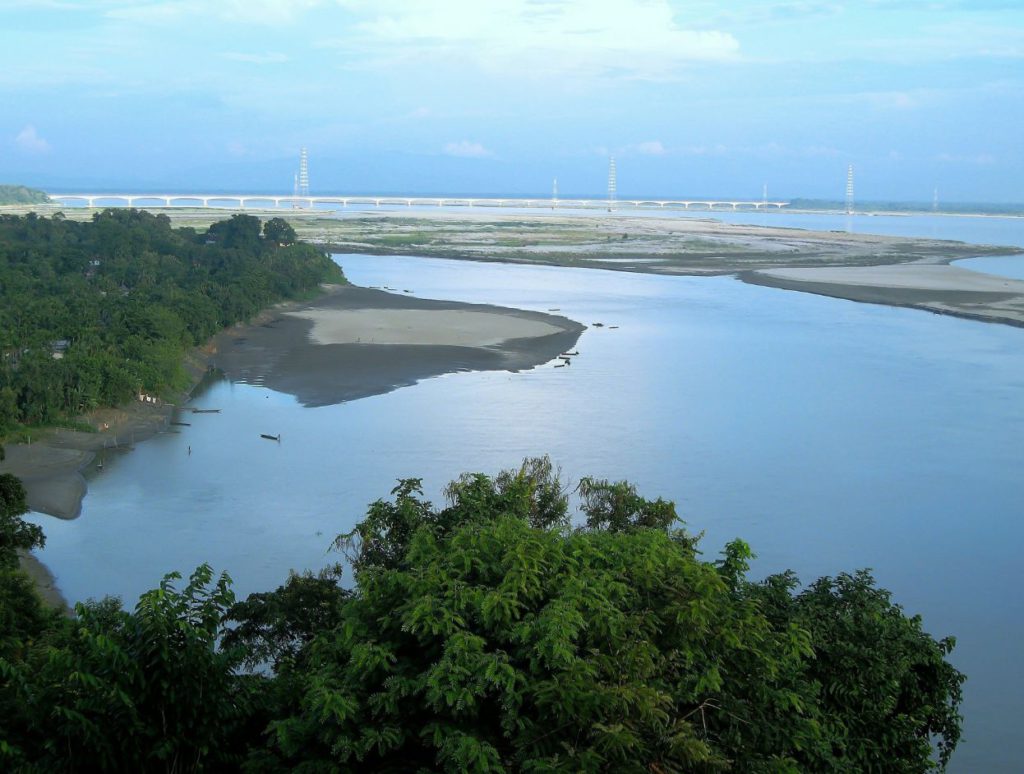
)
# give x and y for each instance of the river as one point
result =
(830, 435)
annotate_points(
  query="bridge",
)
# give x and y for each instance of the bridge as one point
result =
(276, 201)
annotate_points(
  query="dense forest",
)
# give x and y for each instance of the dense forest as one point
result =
(91, 313)
(20, 194)
(493, 634)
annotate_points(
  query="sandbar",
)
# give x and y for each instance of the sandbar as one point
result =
(355, 342)
(439, 327)
(936, 288)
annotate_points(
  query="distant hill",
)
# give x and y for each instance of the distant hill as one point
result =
(949, 208)
(21, 194)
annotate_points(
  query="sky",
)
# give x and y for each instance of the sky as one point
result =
(692, 97)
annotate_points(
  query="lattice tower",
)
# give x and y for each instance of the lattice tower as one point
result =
(612, 183)
(849, 190)
(303, 173)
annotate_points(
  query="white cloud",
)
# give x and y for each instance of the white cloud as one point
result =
(467, 149)
(29, 141)
(270, 58)
(651, 148)
(625, 39)
(259, 12)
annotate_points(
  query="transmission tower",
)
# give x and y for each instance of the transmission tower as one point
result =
(611, 183)
(554, 194)
(303, 173)
(849, 190)
(935, 200)
(764, 198)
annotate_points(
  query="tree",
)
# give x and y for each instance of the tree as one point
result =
(476, 640)
(15, 533)
(487, 635)
(141, 691)
(279, 232)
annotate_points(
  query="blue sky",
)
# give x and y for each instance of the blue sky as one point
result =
(699, 97)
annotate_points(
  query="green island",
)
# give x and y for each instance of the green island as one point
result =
(491, 634)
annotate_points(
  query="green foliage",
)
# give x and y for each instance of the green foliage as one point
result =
(886, 689)
(279, 231)
(91, 313)
(491, 636)
(15, 533)
(488, 635)
(618, 508)
(275, 627)
(142, 691)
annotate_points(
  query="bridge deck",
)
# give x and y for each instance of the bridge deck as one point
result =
(241, 201)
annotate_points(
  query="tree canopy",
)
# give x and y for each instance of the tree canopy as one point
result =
(491, 634)
(93, 312)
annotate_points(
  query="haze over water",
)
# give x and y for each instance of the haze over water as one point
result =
(830, 435)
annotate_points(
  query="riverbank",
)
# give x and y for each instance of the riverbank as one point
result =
(941, 289)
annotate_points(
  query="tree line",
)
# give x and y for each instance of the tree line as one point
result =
(493, 633)
(91, 313)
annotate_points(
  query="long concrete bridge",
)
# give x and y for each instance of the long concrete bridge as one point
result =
(276, 201)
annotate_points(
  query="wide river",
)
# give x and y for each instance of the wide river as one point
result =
(830, 435)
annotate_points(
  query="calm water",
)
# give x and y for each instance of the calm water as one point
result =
(830, 435)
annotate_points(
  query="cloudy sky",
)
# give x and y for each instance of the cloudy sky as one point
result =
(693, 97)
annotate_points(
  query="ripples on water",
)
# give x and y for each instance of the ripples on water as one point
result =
(830, 435)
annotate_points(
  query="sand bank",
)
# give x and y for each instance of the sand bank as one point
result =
(423, 327)
(52, 466)
(936, 288)
(354, 342)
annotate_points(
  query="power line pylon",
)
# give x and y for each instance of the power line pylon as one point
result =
(849, 190)
(303, 173)
(612, 183)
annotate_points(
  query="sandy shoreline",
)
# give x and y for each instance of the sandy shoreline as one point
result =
(942, 289)
(355, 342)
